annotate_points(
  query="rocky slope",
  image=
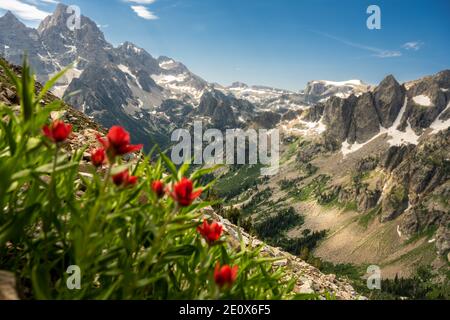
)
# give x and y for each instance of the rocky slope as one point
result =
(309, 280)
(9, 97)
(373, 170)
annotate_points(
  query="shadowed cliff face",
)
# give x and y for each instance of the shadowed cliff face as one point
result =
(358, 119)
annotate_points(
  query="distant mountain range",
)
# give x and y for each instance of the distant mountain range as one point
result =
(149, 96)
(152, 96)
(382, 149)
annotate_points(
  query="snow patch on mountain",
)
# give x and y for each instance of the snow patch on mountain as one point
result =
(178, 85)
(168, 64)
(299, 126)
(340, 83)
(439, 124)
(423, 100)
(395, 136)
(265, 98)
(127, 70)
(60, 88)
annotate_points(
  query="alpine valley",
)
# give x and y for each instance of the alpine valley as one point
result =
(364, 175)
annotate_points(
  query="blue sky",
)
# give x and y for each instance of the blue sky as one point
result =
(281, 43)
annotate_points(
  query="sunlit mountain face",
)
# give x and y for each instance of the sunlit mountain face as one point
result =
(363, 176)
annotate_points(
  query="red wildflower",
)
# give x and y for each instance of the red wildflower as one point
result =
(225, 275)
(57, 131)
(124, 179)
(211, 232)
(183, 192)
(117, 142)
(98, 157)
(158, 188)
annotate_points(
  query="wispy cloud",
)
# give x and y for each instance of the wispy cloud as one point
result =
(142, 1)
(388, 54)
(376, 52)
(143, 12)
(41, 2)
(24, 10)
(413, 45)
(50, 1)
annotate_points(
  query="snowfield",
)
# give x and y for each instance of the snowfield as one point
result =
(423, 100)
(438, 124)
(341, 83)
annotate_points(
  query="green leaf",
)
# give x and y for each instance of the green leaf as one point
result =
(170, 165)
(13, 229)
(40, 281)
(9, 136)
(48, 168)
(201, 172)
(26, 92)
(183, 169)
(50, 83)
(179, 252)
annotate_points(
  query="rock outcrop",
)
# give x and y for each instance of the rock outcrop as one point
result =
(363, 127)
(357, 119)
(388, 99)
(8, 290)
(337, 116)
(309, 280)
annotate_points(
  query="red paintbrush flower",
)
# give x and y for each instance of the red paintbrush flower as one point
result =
(225, 275)
(211, 232)
(117, 142)
(98, 157)
(57, 131)
(183, 192)
(158, 188)
(124, 179)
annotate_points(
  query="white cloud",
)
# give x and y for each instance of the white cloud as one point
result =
(142, 1)
(41, 2)
(377, 52)
(23, 10)
(413, 45)
(388, 54)
(143, 12)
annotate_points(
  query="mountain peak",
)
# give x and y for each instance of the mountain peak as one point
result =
(60, 7)
(9, 14)
(389, 79)
(129, 46)
(10, 21)
(59, 19)
(238, 84)
(164, 59)
(10, 17)
(60, 10)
